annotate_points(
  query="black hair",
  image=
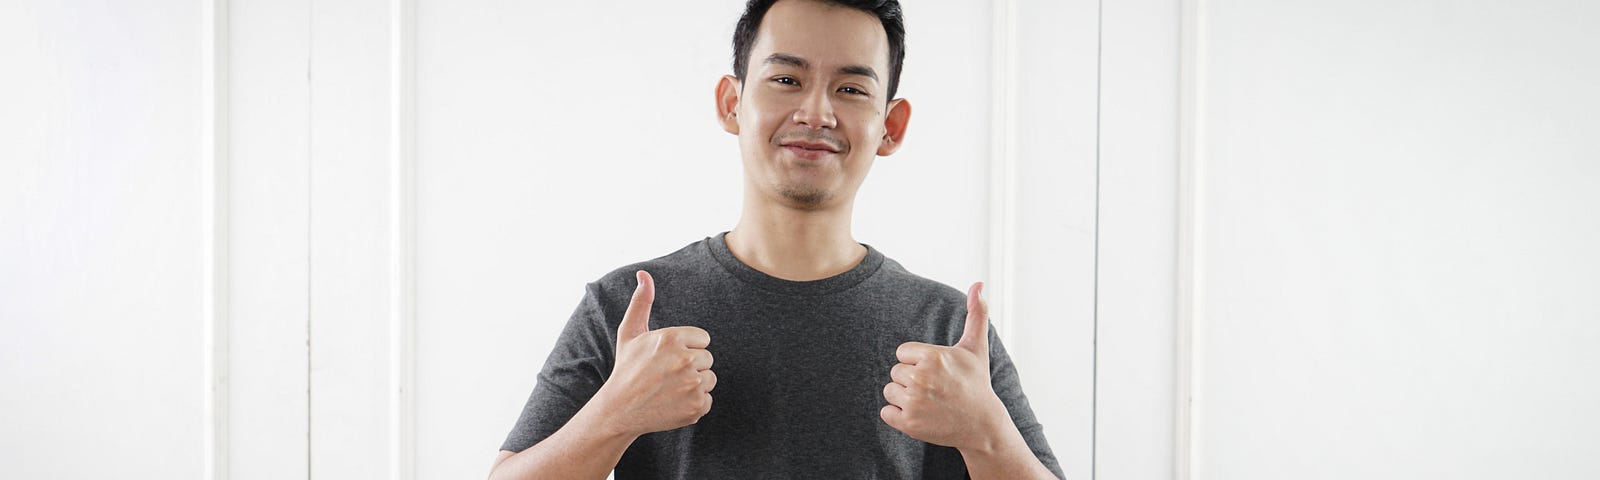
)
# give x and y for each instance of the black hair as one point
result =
(887, 11)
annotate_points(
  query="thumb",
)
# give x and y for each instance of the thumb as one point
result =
(637, 320)
(975, 338)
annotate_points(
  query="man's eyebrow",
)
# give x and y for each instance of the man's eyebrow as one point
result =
(786, 59)
(862, 70)
(801, 63)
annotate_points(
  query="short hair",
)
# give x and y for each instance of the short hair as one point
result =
(887, 11)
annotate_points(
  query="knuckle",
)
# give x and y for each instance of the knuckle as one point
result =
(904, 349)
(697, 408)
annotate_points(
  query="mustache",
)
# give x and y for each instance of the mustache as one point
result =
(816, 135)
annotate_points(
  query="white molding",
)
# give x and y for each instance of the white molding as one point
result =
(1002, 173)
(360, 294)
(402, 238)
(214, 168)
(1190, 320)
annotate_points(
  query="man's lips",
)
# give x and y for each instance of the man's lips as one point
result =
(811, 146)
(809, 150)
(808, 153)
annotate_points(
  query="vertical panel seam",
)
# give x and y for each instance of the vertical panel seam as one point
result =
(402, 345)
(1094, 397)
(311, 36)
(1186, 373)
(1002, 157)
(214, 214)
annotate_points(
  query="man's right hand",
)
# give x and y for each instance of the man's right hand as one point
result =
(660, 381)
(662, 378)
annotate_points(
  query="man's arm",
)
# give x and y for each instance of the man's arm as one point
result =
(584, 448)
(1006, 455)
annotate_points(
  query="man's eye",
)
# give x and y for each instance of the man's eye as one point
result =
(786, 81)
(852, 90)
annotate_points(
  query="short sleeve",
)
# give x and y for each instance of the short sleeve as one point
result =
(1008, 386)
(577, 366)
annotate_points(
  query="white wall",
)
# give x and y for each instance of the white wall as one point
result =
(103, 229)
(1226, 239)
(1136, 377)
(1396, 217)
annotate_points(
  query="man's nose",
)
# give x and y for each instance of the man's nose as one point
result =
(816, 110)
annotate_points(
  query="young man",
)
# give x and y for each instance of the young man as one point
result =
(832, 361)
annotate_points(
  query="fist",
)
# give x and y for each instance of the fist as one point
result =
(662, 379)
(942, 395)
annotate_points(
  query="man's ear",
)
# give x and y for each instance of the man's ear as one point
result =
(728, 103)
(894, 126)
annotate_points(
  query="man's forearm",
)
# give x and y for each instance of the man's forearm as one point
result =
(1006, 456)
(583, 448)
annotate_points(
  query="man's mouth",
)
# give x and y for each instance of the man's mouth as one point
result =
(809, 149)
(809, 152)
(811, 146)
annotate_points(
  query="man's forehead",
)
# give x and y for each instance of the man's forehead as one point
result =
(821, 35)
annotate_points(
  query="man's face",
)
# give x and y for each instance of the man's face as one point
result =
(811, 111)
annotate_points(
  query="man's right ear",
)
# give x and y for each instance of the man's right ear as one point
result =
(728, 103)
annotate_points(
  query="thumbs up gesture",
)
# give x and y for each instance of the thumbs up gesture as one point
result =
(942, 395)
(662, 379)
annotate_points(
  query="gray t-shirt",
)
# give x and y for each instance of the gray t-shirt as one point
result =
(800, 369)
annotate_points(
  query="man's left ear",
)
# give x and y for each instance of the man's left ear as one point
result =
(894, 126)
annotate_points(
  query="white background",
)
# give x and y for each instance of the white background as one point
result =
(336, 239)
(1397, 213)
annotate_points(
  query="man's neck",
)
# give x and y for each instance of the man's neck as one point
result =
(791, 244)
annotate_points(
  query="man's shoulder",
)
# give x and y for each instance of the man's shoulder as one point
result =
(618, 284)
(895, 277)
(937, 309)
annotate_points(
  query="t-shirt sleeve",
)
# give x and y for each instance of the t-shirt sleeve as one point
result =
(576, 368)
(1008, 386)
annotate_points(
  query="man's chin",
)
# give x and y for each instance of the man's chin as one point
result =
(805, 198)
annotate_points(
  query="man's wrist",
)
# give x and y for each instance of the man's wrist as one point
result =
(1003, 453)
(599, 418)
(996, 431)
